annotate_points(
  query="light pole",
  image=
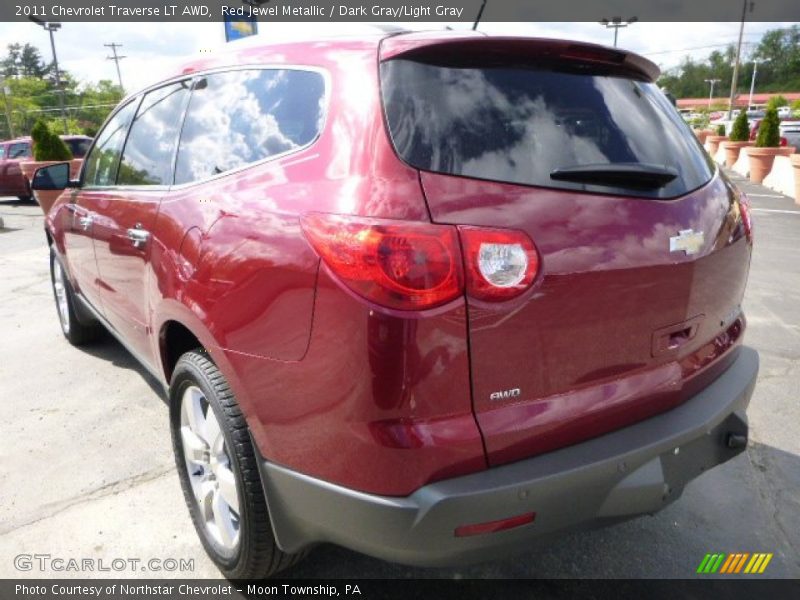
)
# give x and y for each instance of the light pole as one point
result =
(6, 92)
(738, 54)
(615, 23)
(51, 28)
(711, 93)
(752, 84)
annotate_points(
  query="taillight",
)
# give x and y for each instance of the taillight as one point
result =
(397, 264)
(500, 264)
(744, 210)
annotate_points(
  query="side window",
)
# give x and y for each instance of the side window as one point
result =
(100, 168)
(19, 150)
(242, 117)
(78, 147)
(2, 151)
(147, 157)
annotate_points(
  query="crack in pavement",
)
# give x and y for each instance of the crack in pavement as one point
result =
(104, 491)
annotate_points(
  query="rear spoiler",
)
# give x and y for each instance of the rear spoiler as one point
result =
(464, 48)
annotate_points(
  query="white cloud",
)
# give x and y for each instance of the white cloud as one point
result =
(153, 49)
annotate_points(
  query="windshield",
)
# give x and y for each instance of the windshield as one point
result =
(518, 124)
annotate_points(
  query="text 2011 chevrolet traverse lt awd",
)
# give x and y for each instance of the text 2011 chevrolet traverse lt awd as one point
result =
(428, 296)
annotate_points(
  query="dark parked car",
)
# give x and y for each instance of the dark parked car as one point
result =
(427, 296)
(13, 152)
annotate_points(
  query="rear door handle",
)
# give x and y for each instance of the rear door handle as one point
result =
(138, 236)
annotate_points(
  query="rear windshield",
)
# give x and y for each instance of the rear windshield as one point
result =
(517, 124)
(78, 146)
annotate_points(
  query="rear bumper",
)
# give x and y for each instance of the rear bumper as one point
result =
(636, 470)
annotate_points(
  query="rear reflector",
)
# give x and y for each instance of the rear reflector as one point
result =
(495, 526)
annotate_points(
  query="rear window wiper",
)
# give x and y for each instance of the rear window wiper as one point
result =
(626, 175)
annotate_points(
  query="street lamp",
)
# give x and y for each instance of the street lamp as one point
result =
(711, 93)
(617, 22)
(752, 84)
(51, 28)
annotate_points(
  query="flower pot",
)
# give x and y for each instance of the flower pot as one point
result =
(713, 142)
(701, 134)
(761, 160)
(795, 158)
(732, 150)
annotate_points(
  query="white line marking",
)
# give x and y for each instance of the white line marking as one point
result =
(765, 195)
(770, 210)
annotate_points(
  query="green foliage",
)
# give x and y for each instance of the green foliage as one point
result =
(720, 129)
(777, 101)
(769, 130)
(47, 145)
(23, 61)
(778, 54)
(741, 128)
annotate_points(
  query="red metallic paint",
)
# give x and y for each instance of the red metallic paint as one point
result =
(381, 400)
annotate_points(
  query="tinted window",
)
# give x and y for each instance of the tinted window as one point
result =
(19, 150)
(242, 117)
(78, 147)
(147, 158)
(517, 124)
(100, 167)
(2, 151)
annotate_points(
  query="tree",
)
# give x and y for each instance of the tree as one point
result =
(741, 129)
(47, 145)
(769, 130)
(777, 101)
(23, 61)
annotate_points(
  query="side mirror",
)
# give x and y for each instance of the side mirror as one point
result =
(53, 177)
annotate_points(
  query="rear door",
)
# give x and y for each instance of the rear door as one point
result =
(124, 223)
(642, 253)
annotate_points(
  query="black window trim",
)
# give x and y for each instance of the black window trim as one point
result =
(193, 77)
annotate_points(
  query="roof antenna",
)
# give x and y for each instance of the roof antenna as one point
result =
(480, 14)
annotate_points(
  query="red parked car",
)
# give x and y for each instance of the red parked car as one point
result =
(427, 296)
(13, 152)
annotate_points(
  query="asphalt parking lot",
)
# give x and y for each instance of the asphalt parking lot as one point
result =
(86, 465)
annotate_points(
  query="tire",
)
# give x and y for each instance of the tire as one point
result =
(77, 329)
(208, 426)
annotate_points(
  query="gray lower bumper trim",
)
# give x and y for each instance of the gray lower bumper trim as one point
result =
(632, 471)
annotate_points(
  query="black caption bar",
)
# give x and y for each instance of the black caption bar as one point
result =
(394, 10)
(380, 589)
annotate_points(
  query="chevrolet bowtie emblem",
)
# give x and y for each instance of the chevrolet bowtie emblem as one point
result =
(688, 240)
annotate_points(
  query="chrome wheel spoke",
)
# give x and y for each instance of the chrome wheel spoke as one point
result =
(223, 521)
(205, 499)
(227, 488)
(213, 431)
(195, 450)
(193, 412)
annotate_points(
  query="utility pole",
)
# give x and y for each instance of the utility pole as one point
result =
(738, 54)
(752, 84)
(6, 92)
(615, 23)
(51, 28)
(711, 93)
(478, 18)
(116, 60)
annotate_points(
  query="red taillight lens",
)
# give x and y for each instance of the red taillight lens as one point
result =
(397, 264)
(500, 264)
(744, 210)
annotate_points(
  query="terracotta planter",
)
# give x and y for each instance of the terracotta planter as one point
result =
(732, 150)
(761, 160)
(46, 198)
(713, 142)
(795, 158)
(701, 134)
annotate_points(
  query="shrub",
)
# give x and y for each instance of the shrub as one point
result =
(47, 145)
(777, 101)
(769, 130)
(720, 129)
(741, 128)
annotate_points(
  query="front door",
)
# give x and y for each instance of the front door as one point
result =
(98, 177)
(124, 229)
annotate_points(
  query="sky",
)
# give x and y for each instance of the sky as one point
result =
(154, 49)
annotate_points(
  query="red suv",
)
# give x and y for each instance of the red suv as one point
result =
(427, 296)
(13, 152)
